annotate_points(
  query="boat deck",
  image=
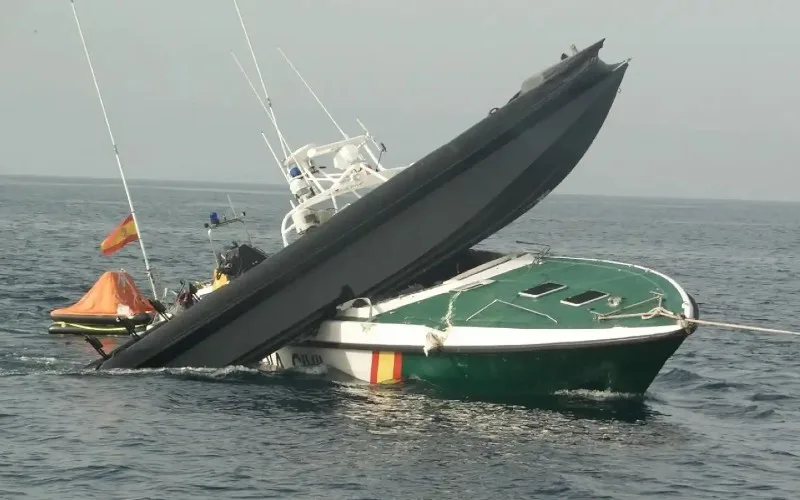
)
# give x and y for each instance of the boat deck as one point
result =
(499, 299)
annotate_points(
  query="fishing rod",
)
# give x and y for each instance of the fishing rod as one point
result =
(266, 109)
(319, 101)
(306, 175)
(313, 94)
(304, 172)
(284, 145)
(148, 269)
(285, 148)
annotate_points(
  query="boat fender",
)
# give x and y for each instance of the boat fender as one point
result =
(493, 111)
(433, 343)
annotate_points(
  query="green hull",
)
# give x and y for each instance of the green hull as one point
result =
(619, 368)
(626, 368)
(515, 326)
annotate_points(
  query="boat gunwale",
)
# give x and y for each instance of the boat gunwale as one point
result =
(662, 333)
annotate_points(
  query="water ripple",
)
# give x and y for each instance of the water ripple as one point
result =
(721, 420)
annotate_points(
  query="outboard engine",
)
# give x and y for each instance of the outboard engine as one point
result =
(238, 259)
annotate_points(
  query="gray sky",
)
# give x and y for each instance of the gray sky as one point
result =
(708, 108)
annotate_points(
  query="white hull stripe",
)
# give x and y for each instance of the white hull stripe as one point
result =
(413, 337)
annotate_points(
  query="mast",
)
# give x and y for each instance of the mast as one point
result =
(148, 270)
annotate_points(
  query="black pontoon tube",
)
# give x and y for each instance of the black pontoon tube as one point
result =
(448, 201)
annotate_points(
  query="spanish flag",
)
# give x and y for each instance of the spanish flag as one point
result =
(123, 234)
(387, 367)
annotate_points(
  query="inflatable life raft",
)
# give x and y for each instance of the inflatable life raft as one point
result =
(113, 295)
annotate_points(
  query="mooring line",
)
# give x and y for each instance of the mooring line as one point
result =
(666, 313)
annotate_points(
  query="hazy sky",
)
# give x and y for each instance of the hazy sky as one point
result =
(708, 107)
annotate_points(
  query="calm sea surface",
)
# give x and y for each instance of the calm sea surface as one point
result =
(722, 420)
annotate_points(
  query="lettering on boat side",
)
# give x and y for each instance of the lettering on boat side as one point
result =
(306, 359)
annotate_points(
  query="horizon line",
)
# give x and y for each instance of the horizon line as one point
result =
(217, 183)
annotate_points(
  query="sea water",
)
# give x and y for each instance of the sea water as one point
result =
(722, 420)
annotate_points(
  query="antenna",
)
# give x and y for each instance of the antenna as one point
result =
(284, 145)
(313, 94)
(371, 154)
(264, 107)
(230, 204)
(116, 152)
(244, 224)
(274, 155)
(281, 166)
(381, 146)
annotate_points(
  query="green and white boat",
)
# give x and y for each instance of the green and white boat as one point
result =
(512, 324)
(485, 322)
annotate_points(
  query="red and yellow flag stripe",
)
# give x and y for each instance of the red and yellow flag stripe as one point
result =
(125, 232)
(387, 367)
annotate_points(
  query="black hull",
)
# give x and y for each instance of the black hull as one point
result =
(448, 201)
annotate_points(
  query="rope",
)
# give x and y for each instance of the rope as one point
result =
(684, 321)
(656, 296)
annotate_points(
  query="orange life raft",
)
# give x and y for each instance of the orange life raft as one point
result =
(113, 295)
